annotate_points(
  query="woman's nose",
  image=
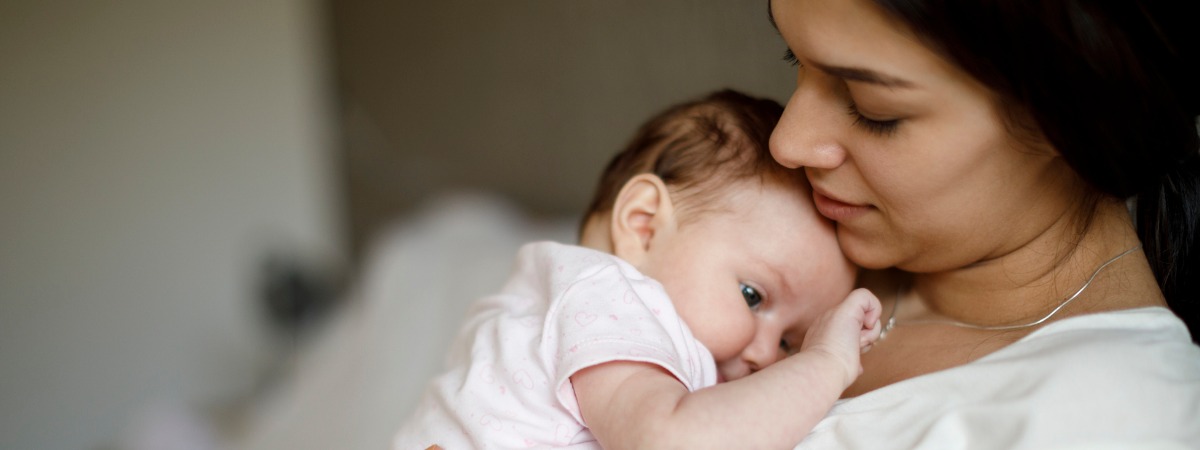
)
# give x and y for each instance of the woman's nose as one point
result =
(807, 134)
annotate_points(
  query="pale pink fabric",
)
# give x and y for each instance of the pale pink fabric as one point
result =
(565, 308)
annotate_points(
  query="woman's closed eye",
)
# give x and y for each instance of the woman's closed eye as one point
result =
(790, 58)
(751, 295)
(875, 126)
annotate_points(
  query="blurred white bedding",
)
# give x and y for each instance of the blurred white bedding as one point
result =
(357, 381)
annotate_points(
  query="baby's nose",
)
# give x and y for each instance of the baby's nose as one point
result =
(762, 353)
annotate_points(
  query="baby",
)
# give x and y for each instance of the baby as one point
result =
(707, 306)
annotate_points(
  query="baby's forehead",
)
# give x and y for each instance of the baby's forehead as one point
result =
(753, 198)
(771, 216)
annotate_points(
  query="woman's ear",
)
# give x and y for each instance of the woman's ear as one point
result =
(641, 214)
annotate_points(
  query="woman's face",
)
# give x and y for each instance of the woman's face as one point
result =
(906, 152)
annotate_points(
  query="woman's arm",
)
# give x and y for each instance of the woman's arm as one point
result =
(639, 405)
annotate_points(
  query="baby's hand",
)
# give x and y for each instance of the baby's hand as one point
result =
(846, 331)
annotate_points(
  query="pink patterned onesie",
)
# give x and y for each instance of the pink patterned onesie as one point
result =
(565, 308)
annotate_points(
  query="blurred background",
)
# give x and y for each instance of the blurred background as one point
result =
(193, 193)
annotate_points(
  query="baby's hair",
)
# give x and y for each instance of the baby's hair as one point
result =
(697, 147)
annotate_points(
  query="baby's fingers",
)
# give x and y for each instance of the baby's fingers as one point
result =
(871, 311)
(864, 306)
(867, 337)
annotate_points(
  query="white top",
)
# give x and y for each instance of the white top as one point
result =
(565, 308)
(1122, 379)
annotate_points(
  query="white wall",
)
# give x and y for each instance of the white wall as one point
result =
(150, 154)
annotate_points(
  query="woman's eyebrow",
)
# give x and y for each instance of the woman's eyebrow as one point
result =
(864, 75)
(851, 73)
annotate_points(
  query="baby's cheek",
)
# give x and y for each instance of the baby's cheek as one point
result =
(728, 339)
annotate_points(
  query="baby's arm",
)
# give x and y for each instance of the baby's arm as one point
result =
(638, 405)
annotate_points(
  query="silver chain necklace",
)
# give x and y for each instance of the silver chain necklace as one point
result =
(891, 321)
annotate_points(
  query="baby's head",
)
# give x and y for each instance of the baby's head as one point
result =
(697, 202)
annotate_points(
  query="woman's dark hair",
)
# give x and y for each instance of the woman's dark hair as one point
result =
(1113, 86)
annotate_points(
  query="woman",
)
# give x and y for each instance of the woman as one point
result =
(987, 149)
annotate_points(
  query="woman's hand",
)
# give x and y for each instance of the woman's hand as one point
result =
(846, 331)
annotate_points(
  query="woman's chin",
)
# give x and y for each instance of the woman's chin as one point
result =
(866, 254)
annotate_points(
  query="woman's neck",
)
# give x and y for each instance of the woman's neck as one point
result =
(1027, 283)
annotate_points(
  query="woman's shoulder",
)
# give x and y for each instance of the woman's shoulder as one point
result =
(1143, 321)
(1141, 345)
(1149, 334)
(1107, 377)
(1109, 350)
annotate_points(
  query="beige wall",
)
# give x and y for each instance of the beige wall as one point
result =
(527, 98)
(151, 153)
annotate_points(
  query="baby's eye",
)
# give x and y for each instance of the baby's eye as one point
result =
(753, 298)
(785, 346)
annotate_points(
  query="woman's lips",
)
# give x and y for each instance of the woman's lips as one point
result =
(837, 210)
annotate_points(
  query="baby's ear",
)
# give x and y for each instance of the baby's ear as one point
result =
(642, 212)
